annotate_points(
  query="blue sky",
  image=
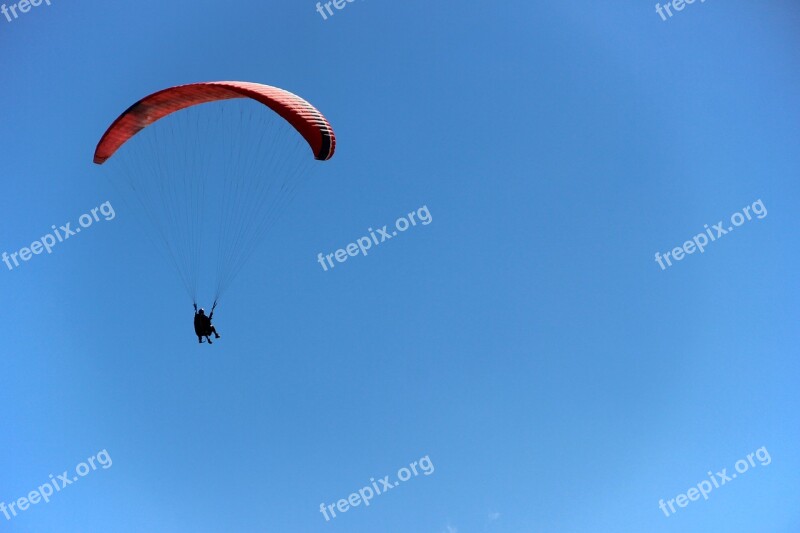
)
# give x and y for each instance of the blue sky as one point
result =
(525, 341)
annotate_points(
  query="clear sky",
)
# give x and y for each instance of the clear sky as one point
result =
(526, 341)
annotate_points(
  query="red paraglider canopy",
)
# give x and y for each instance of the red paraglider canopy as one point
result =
(302, 116)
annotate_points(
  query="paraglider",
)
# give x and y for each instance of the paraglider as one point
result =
(203, 326)
(213, 165)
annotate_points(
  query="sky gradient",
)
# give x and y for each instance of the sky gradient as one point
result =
(525, 341)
